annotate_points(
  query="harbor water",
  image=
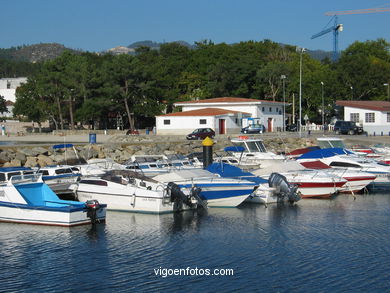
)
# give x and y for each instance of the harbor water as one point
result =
(338, 245)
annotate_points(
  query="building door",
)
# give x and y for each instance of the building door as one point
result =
(269, 124)
(221, 124)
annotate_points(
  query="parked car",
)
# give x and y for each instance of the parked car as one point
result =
(201, 133)
(347, 127)
(132, 132)
(292, 127)
(253, 128)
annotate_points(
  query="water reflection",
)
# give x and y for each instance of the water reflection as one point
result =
(315, 245)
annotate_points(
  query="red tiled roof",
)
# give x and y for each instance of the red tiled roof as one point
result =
(371, 105)
(204, 112)
(226, 100)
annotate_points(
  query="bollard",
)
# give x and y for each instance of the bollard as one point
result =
(207, 152)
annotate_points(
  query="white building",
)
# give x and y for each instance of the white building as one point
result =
(8, 88)
(224, 115)
(374, 116)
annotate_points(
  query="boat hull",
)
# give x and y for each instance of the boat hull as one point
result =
(356, 184)
(227, 196)
(133, 203)
(263, 195)
(318, 189)
(19, 213)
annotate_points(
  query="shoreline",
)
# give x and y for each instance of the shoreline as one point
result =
(84, 138)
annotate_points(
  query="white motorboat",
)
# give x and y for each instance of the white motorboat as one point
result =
(59, 177)
(310, 183)
(344, 159)
(215, 190)
(254, 152)
(27, 199)
(152, 165)
(356, 180)
(126, 190)
(379, 155)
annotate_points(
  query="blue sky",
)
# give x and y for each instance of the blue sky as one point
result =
(97, 25)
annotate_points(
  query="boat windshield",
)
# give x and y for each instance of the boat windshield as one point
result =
(324, 144)
(252, 146)
(26, 178)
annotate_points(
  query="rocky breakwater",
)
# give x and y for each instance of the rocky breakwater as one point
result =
(121, 148)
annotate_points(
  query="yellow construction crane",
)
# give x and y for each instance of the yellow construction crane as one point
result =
(336, 28)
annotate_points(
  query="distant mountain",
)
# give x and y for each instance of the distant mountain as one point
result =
(46, 51)
(121, 50)
(320, 55)
(155, 45)
(34, 53)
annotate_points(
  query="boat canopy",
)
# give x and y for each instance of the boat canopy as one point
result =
(230, 171)
(233, 148)
(325, 153)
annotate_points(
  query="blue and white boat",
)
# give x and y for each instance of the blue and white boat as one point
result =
(58, 177)
(27, 199)
(275, 189)
(215, 190)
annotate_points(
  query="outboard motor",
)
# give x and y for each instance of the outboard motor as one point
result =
(195, 194)
(177, 195)
(92, 207)
(286, 190)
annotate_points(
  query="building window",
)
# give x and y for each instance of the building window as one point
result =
(8, 84)
(263, 109)
(370, 117)
(270, 109)
(167, 122)
(202, 121)
(354, 117)
(388, 116)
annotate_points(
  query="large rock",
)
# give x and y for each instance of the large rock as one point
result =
(40, 151)
(5, 157)
(13, 163)
(88, 153)
(21, 157)
(44, 161)
(30, 162)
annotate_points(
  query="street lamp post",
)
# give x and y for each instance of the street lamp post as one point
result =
(323, 108)
(283, 77)
(388, 92)
(300, 92)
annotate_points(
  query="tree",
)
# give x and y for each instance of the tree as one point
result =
(3, 105)
(364, 66)
(30, 104)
